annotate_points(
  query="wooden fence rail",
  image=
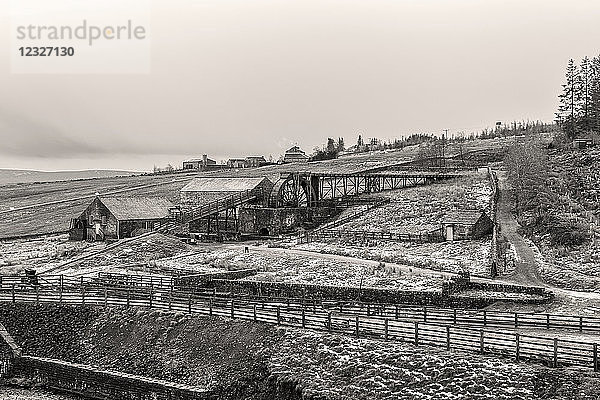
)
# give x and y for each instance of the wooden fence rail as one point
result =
(550, 351)
(141, 285)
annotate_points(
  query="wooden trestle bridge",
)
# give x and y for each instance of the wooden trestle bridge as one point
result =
(306, 189)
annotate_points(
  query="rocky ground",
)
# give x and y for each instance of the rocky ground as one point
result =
(250, 361)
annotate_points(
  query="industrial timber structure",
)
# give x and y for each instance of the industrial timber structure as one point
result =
(233, 207)
(220, 207)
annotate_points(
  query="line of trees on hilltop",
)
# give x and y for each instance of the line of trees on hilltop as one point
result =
(579, 109)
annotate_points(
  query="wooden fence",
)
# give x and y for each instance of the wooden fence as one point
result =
(427, 237)
(550, 351)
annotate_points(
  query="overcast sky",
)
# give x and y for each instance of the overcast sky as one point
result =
(234, 78)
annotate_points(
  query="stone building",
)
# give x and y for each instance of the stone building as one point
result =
(466, 225)
(236, 163)
(255, 161)
(199, 163)
(204, 190)
(120, 217)
(295, 154)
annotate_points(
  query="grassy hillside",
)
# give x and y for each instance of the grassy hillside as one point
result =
(245, 360)
(23, 176)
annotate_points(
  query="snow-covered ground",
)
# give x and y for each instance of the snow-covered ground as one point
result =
(304, 268)
(458, 256)
(422, 208)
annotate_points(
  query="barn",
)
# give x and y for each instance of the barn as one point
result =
(204, 190)
(120, 217)
(466, 225)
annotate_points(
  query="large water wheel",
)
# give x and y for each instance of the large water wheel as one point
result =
(292, 191)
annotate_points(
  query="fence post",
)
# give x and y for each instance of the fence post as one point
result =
(547, 321)
(278, 315)
(232, 309)
(128, 296)
(517, 345)
(555, 358)
(368, 310)
(210, 307)
(13, 292)
(190, 304)
(170, 298)
(481, 341)
(595, 357)
(385, 329)
(447, 338)
(303, 319)
(37, 295)
(424, 314)
(396, 312)
(516, 320)
(105, 297)
(254, 307)
(455, 316)
(329, 321)
(357, 325)
(484, 317)
(61, 279)
(580, 324)
(82, 295)
(416, 333)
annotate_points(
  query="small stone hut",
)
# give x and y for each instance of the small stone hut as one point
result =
(120, 217)
(466, 225)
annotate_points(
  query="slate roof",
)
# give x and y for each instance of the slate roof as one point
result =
(130, 208)
(210, 184)
(462, 217)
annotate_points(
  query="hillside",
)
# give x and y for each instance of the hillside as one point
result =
(8, 176)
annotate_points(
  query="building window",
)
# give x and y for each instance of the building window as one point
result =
(104, 220)
(91, 219)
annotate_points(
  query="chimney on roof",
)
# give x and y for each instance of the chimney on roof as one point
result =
(204, 160)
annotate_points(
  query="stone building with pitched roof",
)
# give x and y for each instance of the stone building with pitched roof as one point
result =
(121, 217)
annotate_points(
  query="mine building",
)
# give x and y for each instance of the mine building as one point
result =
(466, 225)
(204, 190)
(295, 154)
(199, 164)
(111, 218)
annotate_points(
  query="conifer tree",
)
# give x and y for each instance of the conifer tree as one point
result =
(567, 110)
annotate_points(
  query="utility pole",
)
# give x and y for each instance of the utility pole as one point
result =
(444, 136)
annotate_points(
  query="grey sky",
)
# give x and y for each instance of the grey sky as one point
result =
(231, 78)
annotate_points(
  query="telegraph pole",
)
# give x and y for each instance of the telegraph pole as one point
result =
(444, 136)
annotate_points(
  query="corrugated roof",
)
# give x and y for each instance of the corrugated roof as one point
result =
(210, 184)
(127, 208)
(462, 217)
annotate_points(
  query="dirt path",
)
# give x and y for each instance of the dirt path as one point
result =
(526, 271)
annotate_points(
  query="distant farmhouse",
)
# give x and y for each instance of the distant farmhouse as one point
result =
(236, 163)
(295, 154)
(255, 161)
(109, 218)
(199, 164)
